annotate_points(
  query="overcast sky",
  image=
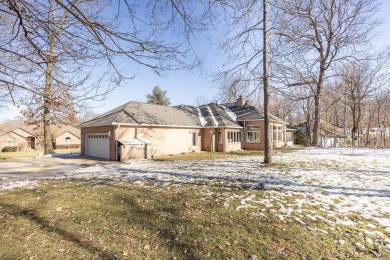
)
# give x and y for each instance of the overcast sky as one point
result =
(184, 87)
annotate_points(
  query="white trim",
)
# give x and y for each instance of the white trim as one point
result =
(212, 116)
(168, 126)
(196, 139)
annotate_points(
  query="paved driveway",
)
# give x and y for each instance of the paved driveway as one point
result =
(34, 168)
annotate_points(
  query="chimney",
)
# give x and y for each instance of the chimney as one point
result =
(241, 101)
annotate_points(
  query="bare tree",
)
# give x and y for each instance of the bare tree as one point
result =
(316, 35)
(72, 46)
(86, 113)
(382, 101)
(360, 81)
(247, 49)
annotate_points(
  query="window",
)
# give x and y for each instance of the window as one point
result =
(194, 137)
(68, 141)
(11, 142)
(234, 137)
(277, 135)
(253, 134)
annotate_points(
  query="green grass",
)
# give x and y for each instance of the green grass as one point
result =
(25, 154)
(61, 220)
(207, 156)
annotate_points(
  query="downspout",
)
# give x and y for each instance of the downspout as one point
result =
(244, 136)
(116, 142)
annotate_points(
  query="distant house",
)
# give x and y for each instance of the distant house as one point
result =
(66, 136)
(16, 133)
(143, 130)
(330, 135)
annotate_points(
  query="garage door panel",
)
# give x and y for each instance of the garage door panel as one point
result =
(98, 145)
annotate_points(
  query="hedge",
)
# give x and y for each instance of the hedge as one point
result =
(66, 146)
(8, 149)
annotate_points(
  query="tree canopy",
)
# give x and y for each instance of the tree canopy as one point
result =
(158, 97)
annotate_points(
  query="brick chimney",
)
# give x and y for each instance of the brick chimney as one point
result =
(241, 101)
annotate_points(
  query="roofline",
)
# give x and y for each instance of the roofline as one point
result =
(19, 134)
(271, 120)
(170, 126)
(68, 132)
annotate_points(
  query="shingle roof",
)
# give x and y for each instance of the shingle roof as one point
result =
(138, 113)
(35, 130)
(216, 115)
(12, 125)
(211, 115)
(59, 130)
(328, 129)
(248, 112)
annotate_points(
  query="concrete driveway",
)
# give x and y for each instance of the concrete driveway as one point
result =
(35, 168)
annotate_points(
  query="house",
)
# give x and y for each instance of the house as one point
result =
(65, 136)
(29, 137)
(15, 134)
(143, 130)
(330, 135)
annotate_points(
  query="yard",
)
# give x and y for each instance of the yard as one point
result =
(26, 154)
(313, 203)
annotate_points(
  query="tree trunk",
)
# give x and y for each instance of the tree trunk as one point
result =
(354, 129)
(267, 147)
(317, 102)
(316, 128)
(47, 102)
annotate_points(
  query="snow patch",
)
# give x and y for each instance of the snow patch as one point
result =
(212, 116)
(230, 113)
(203, 121)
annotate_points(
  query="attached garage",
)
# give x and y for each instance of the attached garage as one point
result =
(97, 145)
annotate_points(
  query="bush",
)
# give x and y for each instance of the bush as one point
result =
(299, 137)
(8, 149)
(66, 146)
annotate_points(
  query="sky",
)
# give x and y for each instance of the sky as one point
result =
(184, 87)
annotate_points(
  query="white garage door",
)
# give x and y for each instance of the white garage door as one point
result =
(98, 145)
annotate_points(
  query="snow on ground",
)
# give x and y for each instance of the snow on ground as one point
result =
(324, 185)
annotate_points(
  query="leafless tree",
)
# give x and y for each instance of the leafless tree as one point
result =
(86, 113)
(360, 81)
(382, 100)
(316, 35)
(247, 47)
(61, 51)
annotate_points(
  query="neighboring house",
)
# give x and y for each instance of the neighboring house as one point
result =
(66, 136)
(330, 135)
(143, 130)
(14, 134)
(25, 137)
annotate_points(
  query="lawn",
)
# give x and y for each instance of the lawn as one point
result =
(313, 204)
(26, 154)
(209, 156)
(61, 220)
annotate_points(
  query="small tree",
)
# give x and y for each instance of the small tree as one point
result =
(158, 97)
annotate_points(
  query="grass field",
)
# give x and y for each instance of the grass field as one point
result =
(25, 154)
(61, 220)
(207, 156)
(312, 204)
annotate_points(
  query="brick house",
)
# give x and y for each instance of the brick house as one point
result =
(142, 130)
(16, 133)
